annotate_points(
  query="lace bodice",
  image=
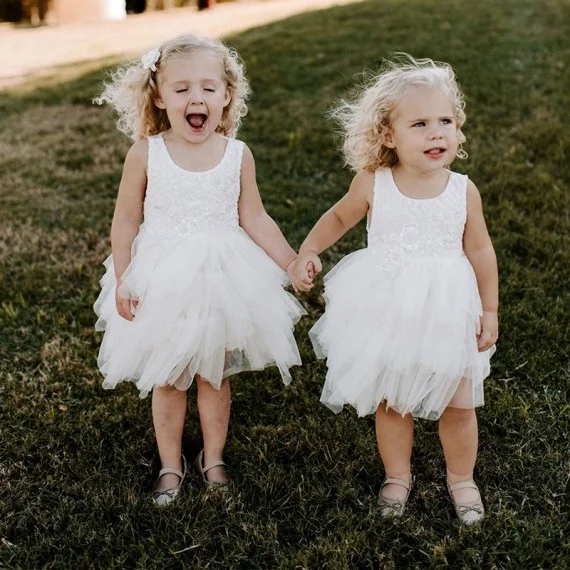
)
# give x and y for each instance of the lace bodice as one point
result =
(402, 228)
(179, 203)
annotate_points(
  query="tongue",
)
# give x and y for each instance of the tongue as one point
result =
(197, 121)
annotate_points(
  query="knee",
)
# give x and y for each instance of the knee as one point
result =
(167, 389)
(458, 415)
(204, 385)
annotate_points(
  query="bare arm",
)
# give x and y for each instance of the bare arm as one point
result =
(256, 222)
(127, 218)
(129, 206)
(332, 225)
(481, 254)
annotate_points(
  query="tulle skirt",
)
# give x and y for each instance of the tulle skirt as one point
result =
(209, 304)
(407, 338)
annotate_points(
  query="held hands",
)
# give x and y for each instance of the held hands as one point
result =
(304, 270)
(125, 307)
(489, 332)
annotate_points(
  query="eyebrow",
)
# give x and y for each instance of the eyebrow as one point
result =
(187, 82)
(424, 119)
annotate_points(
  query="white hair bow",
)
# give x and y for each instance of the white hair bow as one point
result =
(150, 58)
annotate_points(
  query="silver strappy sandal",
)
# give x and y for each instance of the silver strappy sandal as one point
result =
(203, 469)
(394, 507)
(165, 497)
(468, 513)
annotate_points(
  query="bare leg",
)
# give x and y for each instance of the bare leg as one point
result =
(168, 413)
(459, 439)
(214, 409)
(395, 435)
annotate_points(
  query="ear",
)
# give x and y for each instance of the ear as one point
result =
(389, 139)
(228, 97)
(159, 102)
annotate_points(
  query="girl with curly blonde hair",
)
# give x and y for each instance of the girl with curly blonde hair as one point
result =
(196, 292)
(411, 321)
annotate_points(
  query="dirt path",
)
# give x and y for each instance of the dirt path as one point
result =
(37, 51)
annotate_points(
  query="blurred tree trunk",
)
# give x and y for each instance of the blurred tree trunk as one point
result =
(37, 10)
(33, 11)
(203, 4)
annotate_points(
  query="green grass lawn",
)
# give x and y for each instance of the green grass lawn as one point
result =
(78, 463)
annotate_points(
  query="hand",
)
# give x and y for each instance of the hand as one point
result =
(125, 307)
(489, 332)
(306, 268)
(310, 270)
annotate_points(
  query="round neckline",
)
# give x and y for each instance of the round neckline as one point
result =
(215, 167)
(398, 191)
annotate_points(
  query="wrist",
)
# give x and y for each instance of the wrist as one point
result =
(288, 266)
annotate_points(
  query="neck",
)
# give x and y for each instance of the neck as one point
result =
(409, 172)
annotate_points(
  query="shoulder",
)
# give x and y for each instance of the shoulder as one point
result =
(473, 197)
(363, 184)
(137, 156)
(239, 144)
(139, 151)
(471, 190)
(247, 160)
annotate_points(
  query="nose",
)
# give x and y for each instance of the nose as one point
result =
(196, 96)
(435, 133)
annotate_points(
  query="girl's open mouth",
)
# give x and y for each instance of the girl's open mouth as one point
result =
(197, 121)
(435, 152)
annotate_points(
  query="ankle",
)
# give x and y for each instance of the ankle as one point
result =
(171, 463)
(404, 475)
(453, 478)
(213, 455)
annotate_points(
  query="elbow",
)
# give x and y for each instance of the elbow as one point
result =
(339, 222)
(475, 254)
(251, 222)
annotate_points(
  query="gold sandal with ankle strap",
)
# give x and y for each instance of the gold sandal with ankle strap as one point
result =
(203, 469)
(468, 513)
(166, 497)
(394, 507)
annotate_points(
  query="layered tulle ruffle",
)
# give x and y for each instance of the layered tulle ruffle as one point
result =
(405, 335)
(209, 304)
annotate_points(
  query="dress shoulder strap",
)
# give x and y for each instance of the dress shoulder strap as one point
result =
(235, 151)
(156, 149)
(382, 186)
(458, 192)
(234, 156)
(379, 196)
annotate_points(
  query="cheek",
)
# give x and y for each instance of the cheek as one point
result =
(414, 138)
(218, 103)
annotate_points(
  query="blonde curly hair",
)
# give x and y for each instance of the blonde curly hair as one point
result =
(366, 118)
(133, 89)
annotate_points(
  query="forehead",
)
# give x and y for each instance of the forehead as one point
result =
(198, 65)
(424, 102)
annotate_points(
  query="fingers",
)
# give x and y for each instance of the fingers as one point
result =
(311, 270)
(304, 272)
(486, 340)
(303, 282)
(317, 266)
(124, 308)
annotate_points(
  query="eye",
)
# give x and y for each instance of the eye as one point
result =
(181, 90)
(209, 89)
(419, 124)
(447, 121)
